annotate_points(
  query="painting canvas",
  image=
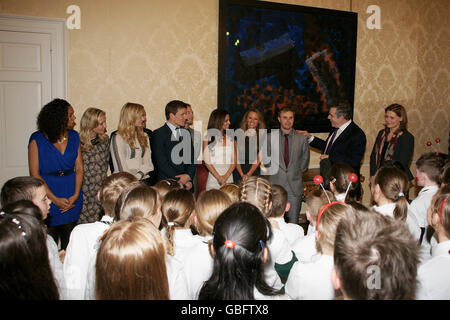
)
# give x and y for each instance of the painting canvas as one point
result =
(273, 55)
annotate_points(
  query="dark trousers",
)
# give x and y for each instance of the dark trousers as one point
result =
(61, 232)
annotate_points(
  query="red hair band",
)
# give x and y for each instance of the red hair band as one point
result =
(442, 207)
(325, 207)
(230, 244)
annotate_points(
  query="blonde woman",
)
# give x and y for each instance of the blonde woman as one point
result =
(130, 146)
(95, 153)
(249, 153)
(137, 251)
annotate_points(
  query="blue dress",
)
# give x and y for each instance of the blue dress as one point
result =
(52, 161)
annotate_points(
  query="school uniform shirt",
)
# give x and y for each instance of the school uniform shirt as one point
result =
(426, 248)
(198, 266)
(340, 197)
(419, 206)
(434, 276)
(56, 266)
(293, 232)
(178, 287)
(83, 246)
(311, 280)
(311, 229)
(305, 248)
(411, 222)
(279, 259)
(190, 250)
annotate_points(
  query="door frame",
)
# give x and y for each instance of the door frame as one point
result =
(56, 27)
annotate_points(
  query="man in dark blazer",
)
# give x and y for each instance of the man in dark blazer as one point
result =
(290, 162)
(345, 143)
(172, 148)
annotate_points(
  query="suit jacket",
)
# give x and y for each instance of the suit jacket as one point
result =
(290, 178)
(349, 147)
(162, 147)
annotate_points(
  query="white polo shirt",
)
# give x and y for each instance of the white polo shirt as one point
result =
(433, 276)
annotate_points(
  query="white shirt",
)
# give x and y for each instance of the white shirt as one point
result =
(419, 206)
(198, 266)
(411, 222)
(56, 266)
(293, 232)
(190, 250)
(434, 276)
(305, 248)
(178, 287)
(311, 280)
(280, 253)
(82, 247)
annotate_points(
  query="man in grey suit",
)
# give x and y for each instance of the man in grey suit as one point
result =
(293, 160)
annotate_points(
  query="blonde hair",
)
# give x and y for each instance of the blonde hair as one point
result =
(177, 208)
(138, 200)
(394, 184)
(210, 204)
(232, 190)
(127, 125)
(261, 123)
(131, 263)
(257, 191)
(327, 225)
(111, 188)
(164, 186)
(316, 200)
(89, 121)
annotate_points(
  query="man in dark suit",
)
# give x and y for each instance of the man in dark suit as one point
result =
(345, 143)
(172, 148)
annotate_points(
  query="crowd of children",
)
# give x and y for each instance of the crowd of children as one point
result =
(161, 243)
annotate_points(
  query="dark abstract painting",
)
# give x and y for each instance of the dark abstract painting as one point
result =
(273, 55)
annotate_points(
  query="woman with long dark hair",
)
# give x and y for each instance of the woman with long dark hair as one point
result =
(220, 152)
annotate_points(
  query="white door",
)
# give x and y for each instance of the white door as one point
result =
(25, 86)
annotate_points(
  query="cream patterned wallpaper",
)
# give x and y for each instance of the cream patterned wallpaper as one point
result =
(153, 51)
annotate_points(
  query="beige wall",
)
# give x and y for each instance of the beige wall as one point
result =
(153, 51)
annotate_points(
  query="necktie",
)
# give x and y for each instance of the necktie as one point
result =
(286, 150)
(330, 143)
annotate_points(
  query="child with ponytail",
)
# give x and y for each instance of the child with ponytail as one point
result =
(388, 191)
(239, 248)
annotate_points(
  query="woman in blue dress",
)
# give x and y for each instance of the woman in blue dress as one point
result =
(54, 156)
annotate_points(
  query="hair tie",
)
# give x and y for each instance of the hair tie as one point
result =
(401, 194)
(262, 244)
(170, 224)
(230, 244)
